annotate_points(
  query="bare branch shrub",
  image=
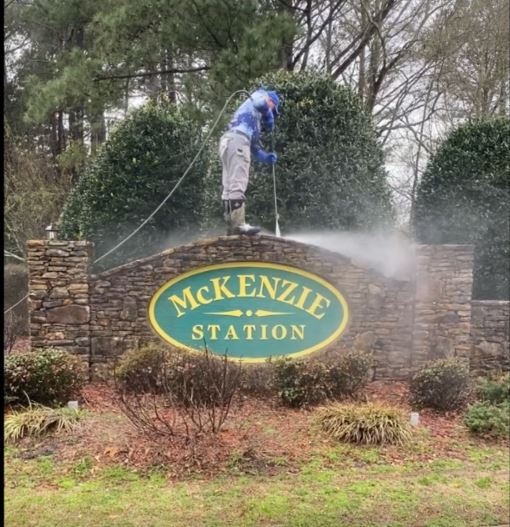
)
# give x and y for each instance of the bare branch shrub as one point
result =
(194, 397)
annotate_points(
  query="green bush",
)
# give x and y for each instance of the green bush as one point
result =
(303, 383)
(257, 380)
(365, 424)
(348, 373)
(141, 370)
(444, 384)
(463, 197)
(136, 168)
(49, 376)
(300, 383)
(488, 420)
(494, 390)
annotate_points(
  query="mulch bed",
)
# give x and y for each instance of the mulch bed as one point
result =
(259, 436)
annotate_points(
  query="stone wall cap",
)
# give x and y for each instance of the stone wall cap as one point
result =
(451, 246)
(502, 303)
(246, 241)
(233, 240)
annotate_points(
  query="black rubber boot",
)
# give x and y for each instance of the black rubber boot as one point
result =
(234, 212)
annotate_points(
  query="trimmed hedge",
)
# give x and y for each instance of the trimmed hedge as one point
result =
(463, 198)
(133, 173)
(330, 170)
(304, 383)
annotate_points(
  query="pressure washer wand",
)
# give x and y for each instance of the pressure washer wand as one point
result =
(276, 226)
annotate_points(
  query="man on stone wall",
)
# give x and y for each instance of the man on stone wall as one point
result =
(236, 146)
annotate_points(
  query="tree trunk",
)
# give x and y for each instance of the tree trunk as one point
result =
(98, 133)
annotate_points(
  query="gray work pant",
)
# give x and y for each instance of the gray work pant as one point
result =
(234, 153)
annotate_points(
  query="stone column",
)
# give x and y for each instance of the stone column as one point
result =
(490, 331)
(59, 310)
(442, 308)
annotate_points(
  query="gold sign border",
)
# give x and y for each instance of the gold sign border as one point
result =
(165, 336)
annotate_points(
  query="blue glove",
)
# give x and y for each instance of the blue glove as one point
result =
(265, 157)
(272, 158)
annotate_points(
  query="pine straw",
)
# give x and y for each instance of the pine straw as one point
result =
(369, 424)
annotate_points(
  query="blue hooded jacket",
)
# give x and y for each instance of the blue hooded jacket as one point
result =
(248, 117)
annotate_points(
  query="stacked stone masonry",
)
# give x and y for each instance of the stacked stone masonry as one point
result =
(442, 303)
(404, 322)
(490, 330)
(59, 303)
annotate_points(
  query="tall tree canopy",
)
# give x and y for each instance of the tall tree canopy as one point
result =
(464, 196)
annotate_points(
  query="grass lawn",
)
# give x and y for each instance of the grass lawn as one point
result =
(40, 492)
(274, 470)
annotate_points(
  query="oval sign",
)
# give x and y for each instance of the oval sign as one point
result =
(249, 310)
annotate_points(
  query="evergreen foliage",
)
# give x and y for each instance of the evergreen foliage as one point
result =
(49, 376)
(463, 198)
(132, 174)
(302, 383)
(443, 384)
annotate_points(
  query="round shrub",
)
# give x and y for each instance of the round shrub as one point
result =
(303, 383)
(50, 376)
(370, 424)
(348, 373)
(463, 198)
(140, 370)
(300, 383)
(133, 173)
(488, 420)
(444, 384)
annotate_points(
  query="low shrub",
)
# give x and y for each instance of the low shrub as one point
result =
(444, 384)
(300, 383)
(494, 390)
(164, 391)
(348, 373)
(257, 380)
(189, 378)
(38, 420)
(141, 370)
(303, 383)
(370, 424)
(489, 420)
(50, 376)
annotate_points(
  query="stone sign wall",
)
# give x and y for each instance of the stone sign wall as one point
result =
(404, 322)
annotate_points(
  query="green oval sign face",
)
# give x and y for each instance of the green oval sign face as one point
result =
(249, 310)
